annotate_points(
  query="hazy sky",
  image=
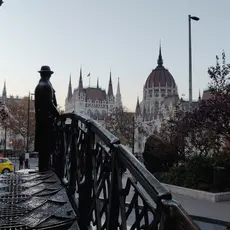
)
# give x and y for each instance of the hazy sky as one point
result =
(123, 35)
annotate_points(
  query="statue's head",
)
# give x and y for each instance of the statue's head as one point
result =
(45, 71)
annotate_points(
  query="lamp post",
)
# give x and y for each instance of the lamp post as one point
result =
(28, 122)
(190, 57)
(5, 141)
(133, 134)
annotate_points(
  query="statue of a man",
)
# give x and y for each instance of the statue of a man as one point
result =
(45, 114)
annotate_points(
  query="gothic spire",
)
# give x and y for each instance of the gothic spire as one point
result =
(199, 98)
(97, 83)
(138, 108)
(4, 89)
(4, 93)
(110, 89)
(80, 85)
(118, 95)
(160, 60)
(69, 95)
(118, 88)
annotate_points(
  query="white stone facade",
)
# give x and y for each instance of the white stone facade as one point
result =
(160, 97)
(94, 102)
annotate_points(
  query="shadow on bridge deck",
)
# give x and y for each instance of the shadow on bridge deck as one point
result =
(34, 201)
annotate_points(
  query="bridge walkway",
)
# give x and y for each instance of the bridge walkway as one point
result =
(34, 201)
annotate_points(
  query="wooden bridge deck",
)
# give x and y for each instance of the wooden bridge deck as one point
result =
(34, 201)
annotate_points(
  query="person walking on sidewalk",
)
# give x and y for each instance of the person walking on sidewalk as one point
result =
(21, 161)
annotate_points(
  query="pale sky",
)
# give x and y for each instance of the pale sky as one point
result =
(99, 35)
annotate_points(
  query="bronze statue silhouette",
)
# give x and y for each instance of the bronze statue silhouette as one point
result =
(45, 114)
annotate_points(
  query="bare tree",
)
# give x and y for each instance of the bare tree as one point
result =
(120, 122)
(16, 121)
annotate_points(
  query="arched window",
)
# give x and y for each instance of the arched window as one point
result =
(156, 92)
(156, 106)
(104, 114)
(163, 92)
(97, 114)
(152, 110)
(89, 113)
(150, 93)
(96, 103)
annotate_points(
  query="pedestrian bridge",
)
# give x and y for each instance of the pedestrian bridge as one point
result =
(94, 183)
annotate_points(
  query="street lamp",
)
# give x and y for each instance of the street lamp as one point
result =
(133, 135)
(5, 140)
(1, 2)
(190, 57)
(28, 122)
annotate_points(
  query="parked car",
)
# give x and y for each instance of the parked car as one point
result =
(6, 165)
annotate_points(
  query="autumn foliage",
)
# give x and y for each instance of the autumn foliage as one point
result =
(15, 119)
(206, 129)
(120, 123)
(202, 136)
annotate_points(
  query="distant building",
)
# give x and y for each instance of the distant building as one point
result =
(160, 99)
(94, 102)
(9, 101)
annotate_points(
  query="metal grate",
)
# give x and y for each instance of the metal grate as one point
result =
(9, 211)
(21, 205)
(14, 227)
(13, 199)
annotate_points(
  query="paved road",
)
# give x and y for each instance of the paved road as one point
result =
(33, 163)
(213, 210)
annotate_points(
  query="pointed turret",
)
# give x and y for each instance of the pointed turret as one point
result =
(160, 60)
(80, 85)
(199, 98)
(118, 96)
(144, 114)
(70, 93)
(110, 89)
(97, 83)
(138, 108)
(4, 95)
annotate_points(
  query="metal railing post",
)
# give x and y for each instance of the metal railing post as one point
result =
(73, 157)
(85, 187)
(114, 196)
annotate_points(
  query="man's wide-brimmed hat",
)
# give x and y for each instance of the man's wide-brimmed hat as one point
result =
(45, 68)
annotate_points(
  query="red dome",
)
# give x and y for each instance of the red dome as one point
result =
(160, 77)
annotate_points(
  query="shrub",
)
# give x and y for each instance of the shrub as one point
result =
(158, 155)
(196, 173)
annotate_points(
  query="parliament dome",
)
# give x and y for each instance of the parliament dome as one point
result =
(160, 76)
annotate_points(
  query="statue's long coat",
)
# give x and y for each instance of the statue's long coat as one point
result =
(45, 113)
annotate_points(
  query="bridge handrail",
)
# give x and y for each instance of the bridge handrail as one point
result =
(94, 171)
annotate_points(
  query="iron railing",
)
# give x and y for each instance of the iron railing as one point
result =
(108, 187)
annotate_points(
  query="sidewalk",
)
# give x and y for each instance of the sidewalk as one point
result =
(204, 208)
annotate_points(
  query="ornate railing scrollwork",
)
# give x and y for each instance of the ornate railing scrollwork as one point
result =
(108, 186)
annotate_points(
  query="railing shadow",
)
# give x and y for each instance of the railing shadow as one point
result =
(108, 187)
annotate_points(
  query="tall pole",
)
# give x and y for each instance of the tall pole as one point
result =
(190, 57)
(5, 141)
(190, 61)
(28, 124)
(133, 139)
